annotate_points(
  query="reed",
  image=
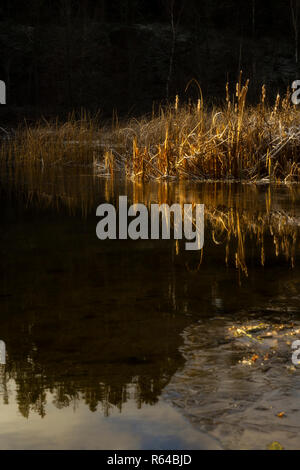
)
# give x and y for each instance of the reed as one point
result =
(48, 143)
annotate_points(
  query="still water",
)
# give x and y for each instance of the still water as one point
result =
(123, 344)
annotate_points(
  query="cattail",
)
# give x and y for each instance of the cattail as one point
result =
(237, 90)
(263, 94)
(277, 103)
(227, 92)
(228, 97)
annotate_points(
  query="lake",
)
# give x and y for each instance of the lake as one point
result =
(122, 344)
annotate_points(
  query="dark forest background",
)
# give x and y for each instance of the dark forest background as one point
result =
(58, 55)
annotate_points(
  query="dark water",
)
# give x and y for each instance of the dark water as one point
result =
(141, 344)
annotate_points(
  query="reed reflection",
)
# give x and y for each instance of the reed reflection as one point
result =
(237, 217)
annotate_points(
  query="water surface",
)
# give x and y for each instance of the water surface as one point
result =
(133, 344)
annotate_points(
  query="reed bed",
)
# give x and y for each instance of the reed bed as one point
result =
(235, 141)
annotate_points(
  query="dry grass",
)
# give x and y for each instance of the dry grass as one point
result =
(235, 141)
